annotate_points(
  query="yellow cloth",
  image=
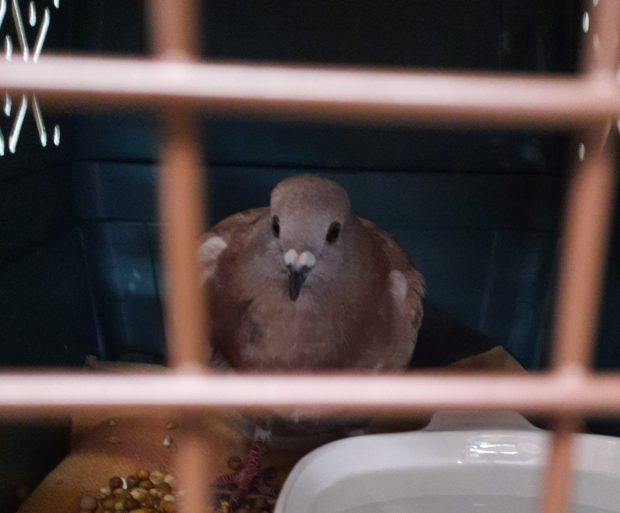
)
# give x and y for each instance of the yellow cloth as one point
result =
(108, 445)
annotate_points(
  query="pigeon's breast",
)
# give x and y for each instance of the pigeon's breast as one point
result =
(331, 324)
(277, 333)
(320, 330)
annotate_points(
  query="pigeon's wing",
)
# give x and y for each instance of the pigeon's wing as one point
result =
(230, 235)
(227, 234)
(406, 283)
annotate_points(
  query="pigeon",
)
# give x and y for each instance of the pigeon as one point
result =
(305, 285)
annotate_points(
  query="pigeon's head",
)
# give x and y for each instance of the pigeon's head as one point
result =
(308, 218)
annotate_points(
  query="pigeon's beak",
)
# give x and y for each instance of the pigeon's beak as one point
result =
(298, 265)
(296, 279)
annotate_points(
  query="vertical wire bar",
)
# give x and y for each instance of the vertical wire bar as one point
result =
(174, 33)
(599, 51)
(587, 210)
(192, 468)
(174, 26)
(586, 236)
(181, 205)
(558, 484)
(182, 211)
(589, 204)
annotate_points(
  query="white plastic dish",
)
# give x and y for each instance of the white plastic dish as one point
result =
(460, 463)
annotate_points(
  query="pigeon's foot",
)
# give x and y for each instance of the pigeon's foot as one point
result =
(242, 481)
(248, 474)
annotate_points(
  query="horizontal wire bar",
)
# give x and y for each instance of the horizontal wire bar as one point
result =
(547, 393)
(496, 100)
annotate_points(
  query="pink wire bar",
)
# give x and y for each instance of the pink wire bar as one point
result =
(174, 28)
(586, 237)
(550, 393)
(329, 94)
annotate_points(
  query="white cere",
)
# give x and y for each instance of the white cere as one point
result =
(582, 151)
(585, 22)
(306, 259)
(290, 257)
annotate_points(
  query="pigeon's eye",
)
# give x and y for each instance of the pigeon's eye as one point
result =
(333, 232)
(275, 226)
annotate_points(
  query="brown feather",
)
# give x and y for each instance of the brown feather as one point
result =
(365, 317)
